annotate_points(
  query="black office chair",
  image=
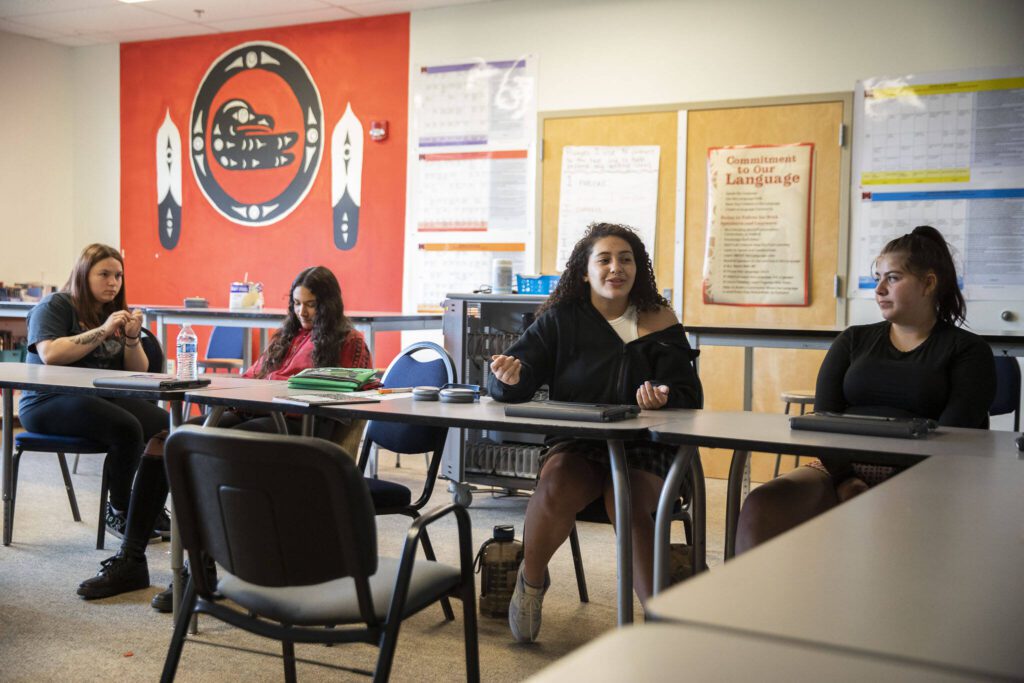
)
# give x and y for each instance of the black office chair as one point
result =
(690, 509)
(291, 522)
(1007, 399)
(390, 498)
(51, 443)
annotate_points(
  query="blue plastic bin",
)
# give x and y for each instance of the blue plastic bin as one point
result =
(536, 284)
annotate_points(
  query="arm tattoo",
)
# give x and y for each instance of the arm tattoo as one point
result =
(90, 337)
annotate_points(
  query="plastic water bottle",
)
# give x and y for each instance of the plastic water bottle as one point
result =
(186, 358)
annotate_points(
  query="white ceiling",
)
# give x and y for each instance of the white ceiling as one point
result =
(94, 22)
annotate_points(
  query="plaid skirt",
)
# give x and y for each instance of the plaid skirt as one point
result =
(641, 454)
(872, 475)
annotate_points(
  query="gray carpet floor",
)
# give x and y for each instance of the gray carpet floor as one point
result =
(47, 633)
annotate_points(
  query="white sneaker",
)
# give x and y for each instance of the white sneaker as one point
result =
(524, 609)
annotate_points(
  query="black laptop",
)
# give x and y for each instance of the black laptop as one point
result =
(865, 425)
(148, 381)
(564, 410)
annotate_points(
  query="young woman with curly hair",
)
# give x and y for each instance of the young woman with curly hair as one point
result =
(316, 333)
(604, 335)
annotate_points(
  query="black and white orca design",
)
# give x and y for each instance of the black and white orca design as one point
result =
(239, 135)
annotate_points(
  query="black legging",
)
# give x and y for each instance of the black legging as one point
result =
(123, 425)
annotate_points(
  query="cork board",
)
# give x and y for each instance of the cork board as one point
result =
(818, 123)
(658, 128)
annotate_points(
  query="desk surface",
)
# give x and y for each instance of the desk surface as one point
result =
(485, 414)
(675, 652)
(70, 380)
(770, 432)
(278, 314)
(926, 566)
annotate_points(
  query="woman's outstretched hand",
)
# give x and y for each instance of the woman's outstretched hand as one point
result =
(650, 397)
(506, 368)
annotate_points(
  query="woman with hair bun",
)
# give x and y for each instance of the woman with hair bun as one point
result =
(917, 362)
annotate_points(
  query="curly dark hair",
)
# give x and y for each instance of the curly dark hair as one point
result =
(330, 326)
(925, 250)
(91, 312)
(573, 287)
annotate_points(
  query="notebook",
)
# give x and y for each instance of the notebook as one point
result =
(867, 425)
(148, 381)
(325, 398)
(564, 410)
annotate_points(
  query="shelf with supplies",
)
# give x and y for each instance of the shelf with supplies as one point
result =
(477, 326)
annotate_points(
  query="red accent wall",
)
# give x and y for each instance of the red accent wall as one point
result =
(364, 62)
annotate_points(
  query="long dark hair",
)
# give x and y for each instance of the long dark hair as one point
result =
(573, 287)
(924, 250)
(330, 326)
(92, 313)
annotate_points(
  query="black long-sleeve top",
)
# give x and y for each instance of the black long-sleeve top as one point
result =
(573, 349)
(949, 378)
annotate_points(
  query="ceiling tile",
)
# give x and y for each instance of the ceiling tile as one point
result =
(229, 10)
(291, 19)
(96, 20)
(14, 8)
(162, 32)
(22, 29)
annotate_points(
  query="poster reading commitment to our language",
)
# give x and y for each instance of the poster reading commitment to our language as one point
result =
(758, 227)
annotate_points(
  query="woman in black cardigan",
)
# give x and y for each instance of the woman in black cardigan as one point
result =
(604, 335)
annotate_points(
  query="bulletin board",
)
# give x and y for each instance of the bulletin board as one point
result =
(684, 140)
(645, 128)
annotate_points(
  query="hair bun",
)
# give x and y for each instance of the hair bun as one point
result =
(928, 232)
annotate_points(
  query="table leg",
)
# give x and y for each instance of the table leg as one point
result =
(663, 520)
(623, 529)
(307, 425)
(699, 509)
(279, 422)
(8, 436)
(748, 378)
(247, 349)
(734, 497)
(213, 417)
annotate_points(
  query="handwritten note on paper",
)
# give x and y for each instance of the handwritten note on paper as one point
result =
(758, 225)
(607, 185)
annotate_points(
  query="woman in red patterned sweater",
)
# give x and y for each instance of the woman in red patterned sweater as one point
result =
(315, 334)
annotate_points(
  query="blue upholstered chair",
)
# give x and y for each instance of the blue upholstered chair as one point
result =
(390, 498)
(51, 443)
(1007, 398)
(224, 350)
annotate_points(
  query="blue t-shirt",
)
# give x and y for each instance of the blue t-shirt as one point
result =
(55, 317)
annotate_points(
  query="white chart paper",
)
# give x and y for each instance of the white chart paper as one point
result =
(944, 149)
(472, 176)
(607, 185)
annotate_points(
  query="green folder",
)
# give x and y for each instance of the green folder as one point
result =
(333, 379)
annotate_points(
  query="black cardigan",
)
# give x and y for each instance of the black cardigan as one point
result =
(573, 349)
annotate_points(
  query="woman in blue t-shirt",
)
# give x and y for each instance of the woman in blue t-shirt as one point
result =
(917, 362)
(88, 325)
